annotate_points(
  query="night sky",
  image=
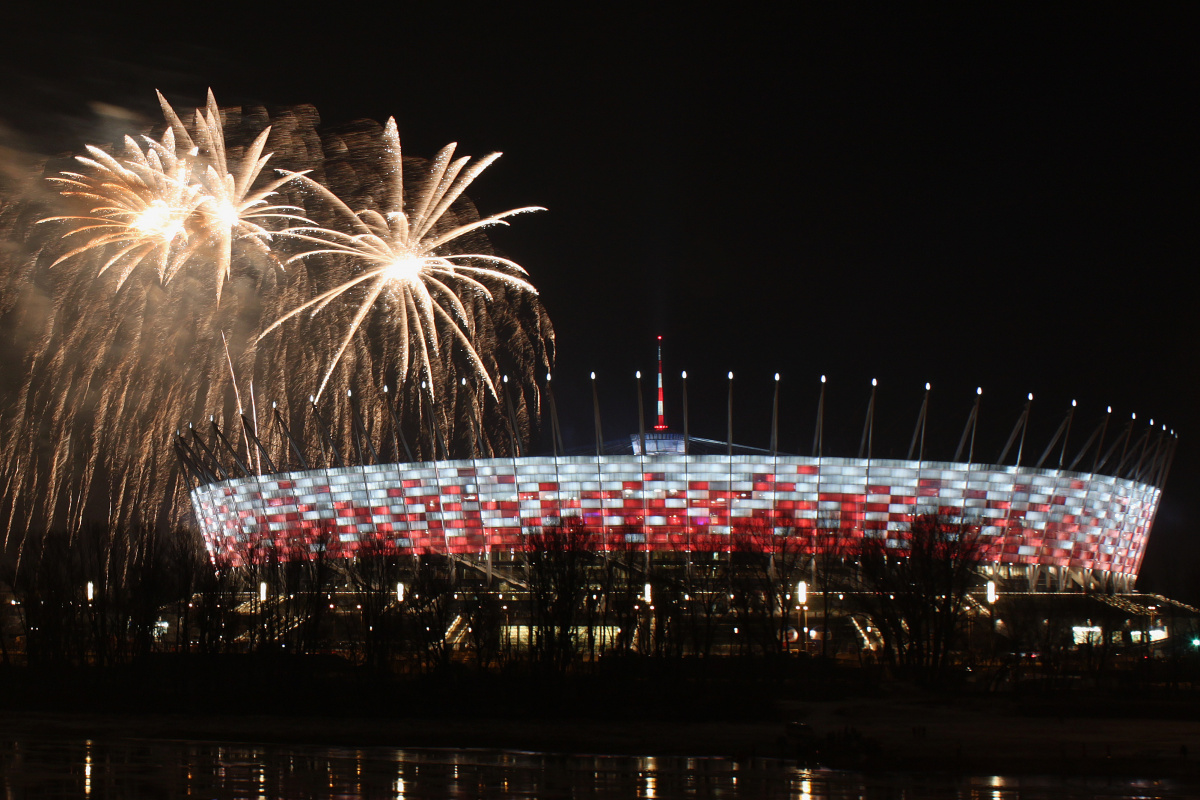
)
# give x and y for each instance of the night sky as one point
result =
(995, 200)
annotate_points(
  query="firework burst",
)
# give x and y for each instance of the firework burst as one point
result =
(162, 203)
(407, 251)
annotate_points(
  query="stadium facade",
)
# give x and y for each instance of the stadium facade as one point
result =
(1056, 529)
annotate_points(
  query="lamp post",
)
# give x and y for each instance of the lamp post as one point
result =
(802, 601)
(262, 609)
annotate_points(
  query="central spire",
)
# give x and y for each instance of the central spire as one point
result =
(662, 421)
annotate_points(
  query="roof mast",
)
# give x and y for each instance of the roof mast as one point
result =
(662, 422)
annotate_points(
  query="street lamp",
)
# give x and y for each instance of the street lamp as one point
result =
(802, 600)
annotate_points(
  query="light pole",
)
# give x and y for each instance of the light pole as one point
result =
(262, 608)
(802, 600)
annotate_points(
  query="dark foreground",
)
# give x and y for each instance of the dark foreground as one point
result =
(816, 720)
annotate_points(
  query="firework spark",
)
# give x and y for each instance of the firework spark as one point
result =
(403, 252)
(144, 202)
(163, 203)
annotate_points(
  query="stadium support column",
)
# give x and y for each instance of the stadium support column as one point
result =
(867, 443)
(775, 420)
(555, 430)
(775, 456)
(687, 485)
(596, 416)
(729, 420)
(296, 451)
(513, 427)
(642, 466)
(398, 437)
(919, 431)
(819, 434)
(729, 461)
(599, 468)
(918, 443)
(818, 446)
(641, 414)
(968, 431)
(1033, 570)
(683, 378)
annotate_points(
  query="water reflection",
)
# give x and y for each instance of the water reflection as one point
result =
(51, 768)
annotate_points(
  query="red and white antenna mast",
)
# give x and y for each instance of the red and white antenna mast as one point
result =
(662, 422)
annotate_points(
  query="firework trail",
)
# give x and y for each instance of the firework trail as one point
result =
(136, 301)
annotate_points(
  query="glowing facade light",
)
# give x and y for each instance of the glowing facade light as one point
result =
(646, 593)
(225, 506)
(802, 592)
(262, 592)
(400, 593)
(91, 591)
(991, 591)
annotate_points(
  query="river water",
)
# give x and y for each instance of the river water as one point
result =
(135, 768)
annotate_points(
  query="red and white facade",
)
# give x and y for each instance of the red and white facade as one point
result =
(1033, 518)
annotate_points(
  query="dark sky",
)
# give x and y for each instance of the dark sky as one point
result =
(973, 199)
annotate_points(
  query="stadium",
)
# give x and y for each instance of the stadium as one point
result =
(1046, 529)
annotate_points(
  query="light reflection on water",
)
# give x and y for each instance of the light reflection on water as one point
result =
(123, 768)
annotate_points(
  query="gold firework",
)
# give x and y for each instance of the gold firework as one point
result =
(404, 253)
(165, 202)
(142, 206)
